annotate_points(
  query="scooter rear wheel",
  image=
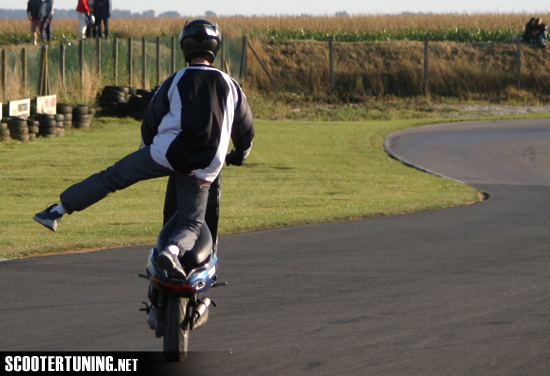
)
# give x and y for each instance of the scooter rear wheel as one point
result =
(176, 329)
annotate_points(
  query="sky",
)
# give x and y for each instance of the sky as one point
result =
(311, 7)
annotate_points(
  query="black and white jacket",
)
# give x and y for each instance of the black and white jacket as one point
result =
(191, 119)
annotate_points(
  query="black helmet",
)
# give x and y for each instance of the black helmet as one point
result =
(200, 38)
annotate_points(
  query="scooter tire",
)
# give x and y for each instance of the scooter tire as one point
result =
(176, 338)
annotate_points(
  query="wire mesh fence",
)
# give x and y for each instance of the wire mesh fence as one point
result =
(77, 71)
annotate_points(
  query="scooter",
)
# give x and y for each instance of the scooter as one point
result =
(176, 307)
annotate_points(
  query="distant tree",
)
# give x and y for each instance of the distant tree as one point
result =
(209, 13)
(64, 13)
(117, 13)
(170, 14)
(342, 14)
(149, 13)
(13, 13)
(21, 13)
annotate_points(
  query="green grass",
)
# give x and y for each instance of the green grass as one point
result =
(298, 172)
(456, 34)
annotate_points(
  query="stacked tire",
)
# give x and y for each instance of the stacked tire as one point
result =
(60, 125)
(123, 101)
(139, 103)
(47, 125)
(33, 128)
(18, 128)
(82, 117)
(114, 100)
(67, 111)
(4, 132)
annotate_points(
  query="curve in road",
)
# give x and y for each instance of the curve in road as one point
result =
(459, 291)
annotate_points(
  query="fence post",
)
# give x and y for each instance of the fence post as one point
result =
(62, 64)
(81, 65)
(4, 73)
(158, 60)
(331, 62)
(44, 84)
(262, 65)
(143, 63)
(173, 56)
(222, 56)
(24, 71)
(519, 65)
(98, 55)
(244, 60)
(130, 62)
(115, 60)
(426, 67)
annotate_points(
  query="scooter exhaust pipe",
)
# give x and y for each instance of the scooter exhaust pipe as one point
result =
(200, 314)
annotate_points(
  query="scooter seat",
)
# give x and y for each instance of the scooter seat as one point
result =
(201, 251)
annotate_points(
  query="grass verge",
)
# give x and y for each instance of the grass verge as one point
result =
(298, 172)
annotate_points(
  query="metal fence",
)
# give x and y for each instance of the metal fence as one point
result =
(78, 70)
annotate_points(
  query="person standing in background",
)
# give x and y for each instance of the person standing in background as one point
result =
(91, 31)
(83, 10)
(33, 11)
(46, 15)
(542, 33)
(102, 12)
(530, 28)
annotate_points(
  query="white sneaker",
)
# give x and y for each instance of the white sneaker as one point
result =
(48, 219)
(169, 262)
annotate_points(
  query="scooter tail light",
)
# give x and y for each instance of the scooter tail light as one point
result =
(167, 285)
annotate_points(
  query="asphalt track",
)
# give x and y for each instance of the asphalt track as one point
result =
(460, 291)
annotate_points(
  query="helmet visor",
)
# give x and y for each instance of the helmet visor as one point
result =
(200, 31)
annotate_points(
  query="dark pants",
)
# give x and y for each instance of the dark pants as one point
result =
(98, 22)
(46, 29)
(212, 215)
(192, 193)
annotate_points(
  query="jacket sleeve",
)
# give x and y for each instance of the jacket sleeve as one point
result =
(46, 10)
(156, 110)
(242, 131)
(83, 7)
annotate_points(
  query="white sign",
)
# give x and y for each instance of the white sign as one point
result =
(20, 108)
(46, 104)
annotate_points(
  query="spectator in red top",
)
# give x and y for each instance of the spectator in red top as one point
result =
(83, 10)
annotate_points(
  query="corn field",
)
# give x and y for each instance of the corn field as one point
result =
(491, 27)
(461, 35)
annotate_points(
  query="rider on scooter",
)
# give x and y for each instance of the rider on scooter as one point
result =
(185, 134)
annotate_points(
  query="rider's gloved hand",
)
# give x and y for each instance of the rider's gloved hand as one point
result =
(236, 157)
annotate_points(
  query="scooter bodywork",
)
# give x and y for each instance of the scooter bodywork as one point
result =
(176, 306)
